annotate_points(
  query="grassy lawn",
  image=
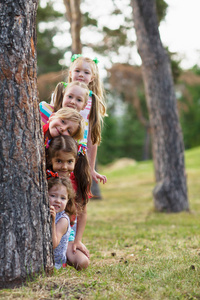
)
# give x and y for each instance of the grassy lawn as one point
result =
(136, 253)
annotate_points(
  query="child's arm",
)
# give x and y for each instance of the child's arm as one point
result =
(81, 222)
(92, 153)
(59, 229)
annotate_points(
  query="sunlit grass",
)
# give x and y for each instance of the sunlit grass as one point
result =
(136, 253)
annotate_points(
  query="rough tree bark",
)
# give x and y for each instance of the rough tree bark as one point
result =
(25, 229)
(74, 17)
(170, 192)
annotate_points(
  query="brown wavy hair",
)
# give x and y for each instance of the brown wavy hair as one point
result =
(70, 208)
(81, 169)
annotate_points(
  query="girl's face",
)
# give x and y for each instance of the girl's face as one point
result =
(58, 197)
(74, 97)
(63, 163)
(59, 126)
(82, 72)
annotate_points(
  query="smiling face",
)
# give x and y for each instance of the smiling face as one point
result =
(75, 97)
(59, 126)
(82, 72)
(63, 163)
(58, 197)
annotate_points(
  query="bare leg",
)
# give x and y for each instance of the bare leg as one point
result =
(78, 260)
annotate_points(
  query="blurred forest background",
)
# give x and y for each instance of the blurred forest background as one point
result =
(109, 35)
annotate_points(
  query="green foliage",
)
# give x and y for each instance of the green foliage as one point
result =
(132, 135)
(176, 69)
(48, 55)
(175, 65)
(161, 7)
(47, 14)
(196, 69)
(189, 117)
(122, 136)
(110, 138)
(87, 20)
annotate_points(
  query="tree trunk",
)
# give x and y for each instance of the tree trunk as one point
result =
(146, 147)
(170, 193)
(74, 17)
(25, 227)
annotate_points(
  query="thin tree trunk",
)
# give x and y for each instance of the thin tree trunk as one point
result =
(25, 229)
(170, 193)
(74, 17)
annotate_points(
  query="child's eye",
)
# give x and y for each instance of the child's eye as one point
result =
(63, 122)
(52, 195)
(59, 161)
(70, 161)
(69, 96)
(63, 198)
(79, 100)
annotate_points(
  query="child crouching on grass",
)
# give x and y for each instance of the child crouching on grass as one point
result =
(68, 159)
(61, 201)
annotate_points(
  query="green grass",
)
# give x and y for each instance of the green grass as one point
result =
(136, 253)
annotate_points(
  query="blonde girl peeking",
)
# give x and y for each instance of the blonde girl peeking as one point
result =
(66, 121)
(68, 159)
(85, 70)
(61, 201)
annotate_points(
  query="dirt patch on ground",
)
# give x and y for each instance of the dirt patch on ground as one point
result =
(121, 163)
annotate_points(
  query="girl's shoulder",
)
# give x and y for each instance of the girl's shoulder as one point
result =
(64, 219)
(61, 215)
(45, 111)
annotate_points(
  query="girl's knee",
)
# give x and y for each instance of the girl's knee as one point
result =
(82, 263)
(85, 263)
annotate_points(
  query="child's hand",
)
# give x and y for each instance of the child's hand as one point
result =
(53, 213)
(96, 176)
(80, 246)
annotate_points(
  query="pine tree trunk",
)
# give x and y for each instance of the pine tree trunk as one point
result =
(170, 193)
(25, 227)
(74, 17)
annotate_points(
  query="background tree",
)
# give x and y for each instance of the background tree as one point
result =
(170, 193)
(25, 231)
(74, 17)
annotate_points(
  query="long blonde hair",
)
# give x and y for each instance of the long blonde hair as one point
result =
(68, 113)
(62, 88)
(98, 110)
